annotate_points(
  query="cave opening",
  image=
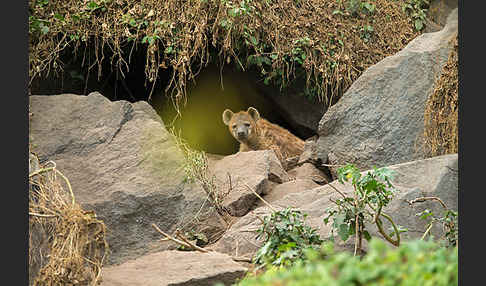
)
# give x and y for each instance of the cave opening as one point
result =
(200, 120)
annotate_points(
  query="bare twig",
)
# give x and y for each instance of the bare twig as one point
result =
(241, 259)
(423, 199)
(44, 170)
(258, 196)
(192, 245)
(427, 231)
(170, 237)
(42, 215)
(330, 165)
(341, 193)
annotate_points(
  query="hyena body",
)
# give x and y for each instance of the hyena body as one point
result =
(256, 133)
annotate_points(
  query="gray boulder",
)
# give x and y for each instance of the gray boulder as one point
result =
(281, 190)
(175, 268)
(437, 176)
(254, 169)
(380, 118)
(121, 162)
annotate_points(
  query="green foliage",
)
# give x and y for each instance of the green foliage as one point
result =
(372, 192)
(449, 222)
(417, 9)
(354, 7)
(366, 32)
(286, 238)
(413, 263)
(282, 40)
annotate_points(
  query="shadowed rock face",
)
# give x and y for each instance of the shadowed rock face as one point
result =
(379, 120)
(175, 268)
(121, 162)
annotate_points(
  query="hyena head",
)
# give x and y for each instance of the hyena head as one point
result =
(242, 125)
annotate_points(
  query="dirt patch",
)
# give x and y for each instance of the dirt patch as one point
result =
(441, 111)
(326, 42)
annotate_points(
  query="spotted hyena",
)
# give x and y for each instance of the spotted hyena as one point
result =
(256, 133)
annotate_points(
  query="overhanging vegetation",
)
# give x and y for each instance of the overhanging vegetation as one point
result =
(328, 43)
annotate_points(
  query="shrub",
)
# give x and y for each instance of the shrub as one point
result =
(372, 192)
(286, 238)
(413, 263)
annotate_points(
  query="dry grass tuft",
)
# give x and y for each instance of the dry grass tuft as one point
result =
(327, 43)
(67, 244)
(441, 111)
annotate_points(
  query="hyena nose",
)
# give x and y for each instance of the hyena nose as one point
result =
(241, 133)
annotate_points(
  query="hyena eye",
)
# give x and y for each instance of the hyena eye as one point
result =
(247, 124)
(234, 126)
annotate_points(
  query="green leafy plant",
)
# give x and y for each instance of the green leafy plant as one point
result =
(372, 192)
(449, 220)
(413, 263)
(286, 238)
(366, 32)
(354, 7)
(368, 7)
(417, 9)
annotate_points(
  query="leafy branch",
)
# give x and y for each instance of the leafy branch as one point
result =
(372, 192)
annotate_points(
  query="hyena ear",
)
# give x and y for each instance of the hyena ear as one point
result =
(253, 113)
(227, 115)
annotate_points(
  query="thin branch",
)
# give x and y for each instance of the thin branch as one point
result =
(357, 235)
(341, 193)
(380, 229)
(42, 215)
(170, 237)
(241, 259)
(427, 231)
(423, 199)
(258, 196)
(192, 245)
(68, 184)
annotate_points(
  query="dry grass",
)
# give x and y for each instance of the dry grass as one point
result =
(67, 244)
(321, 41)
(441, 111)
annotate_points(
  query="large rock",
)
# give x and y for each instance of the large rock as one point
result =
(308, 171)
(437, 176)
(253, 169)
(121, 162)
(175, 268)
(281, 190)
(380, 118)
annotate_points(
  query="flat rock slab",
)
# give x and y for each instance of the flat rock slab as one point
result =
(175, 268)
(281, 190)
(254, 169)
(308, 171)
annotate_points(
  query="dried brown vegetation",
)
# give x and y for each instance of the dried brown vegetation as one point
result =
(441, 111)
(66, 243)
(326, 42)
